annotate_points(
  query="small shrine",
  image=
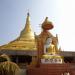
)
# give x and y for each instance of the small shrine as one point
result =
(49, 52)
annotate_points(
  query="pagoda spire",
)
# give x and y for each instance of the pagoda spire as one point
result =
(27, 25)
(27, 32)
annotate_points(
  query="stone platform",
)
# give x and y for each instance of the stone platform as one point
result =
(52, 69)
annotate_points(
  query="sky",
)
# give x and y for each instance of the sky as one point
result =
(61, 13)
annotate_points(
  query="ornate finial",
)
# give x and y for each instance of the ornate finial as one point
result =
(28, 14)
(47, 25)
(46, 19)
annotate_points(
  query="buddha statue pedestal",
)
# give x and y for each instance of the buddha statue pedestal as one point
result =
(51, 59)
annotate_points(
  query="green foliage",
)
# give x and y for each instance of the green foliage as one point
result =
(9, 68)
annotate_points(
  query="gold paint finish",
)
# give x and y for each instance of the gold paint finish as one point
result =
(26, 41)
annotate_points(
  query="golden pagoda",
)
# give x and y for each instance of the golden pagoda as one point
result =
(26, 40)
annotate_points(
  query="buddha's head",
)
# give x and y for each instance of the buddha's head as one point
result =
(48, 41)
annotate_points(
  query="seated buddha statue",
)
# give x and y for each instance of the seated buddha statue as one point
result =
(50, 53)
(49, 48)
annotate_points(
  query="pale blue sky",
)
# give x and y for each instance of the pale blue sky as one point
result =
(61, 12)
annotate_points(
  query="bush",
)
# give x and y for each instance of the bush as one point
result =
(9, 68)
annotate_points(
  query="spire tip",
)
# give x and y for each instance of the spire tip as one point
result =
(28, 13)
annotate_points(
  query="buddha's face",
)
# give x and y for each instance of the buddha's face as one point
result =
(48, 41)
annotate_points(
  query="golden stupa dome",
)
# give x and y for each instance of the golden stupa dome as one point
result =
(47, 25)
